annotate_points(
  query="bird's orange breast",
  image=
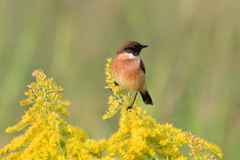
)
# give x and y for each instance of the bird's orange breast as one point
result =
(128, 73)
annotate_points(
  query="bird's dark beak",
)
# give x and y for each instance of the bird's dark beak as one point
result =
(144, 46)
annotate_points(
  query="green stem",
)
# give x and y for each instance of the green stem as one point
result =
(44, 92)
(199, 157)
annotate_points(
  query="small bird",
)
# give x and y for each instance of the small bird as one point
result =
(129, 71)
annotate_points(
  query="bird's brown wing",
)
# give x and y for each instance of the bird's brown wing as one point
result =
(142, 66)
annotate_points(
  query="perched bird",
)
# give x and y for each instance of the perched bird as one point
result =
(129, 71)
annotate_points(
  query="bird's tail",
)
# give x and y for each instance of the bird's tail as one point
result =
(145, 96)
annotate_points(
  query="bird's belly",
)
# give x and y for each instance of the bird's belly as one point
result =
(130, 77)
(134, 84)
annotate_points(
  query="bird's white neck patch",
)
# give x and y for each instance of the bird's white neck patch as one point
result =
(131, 56)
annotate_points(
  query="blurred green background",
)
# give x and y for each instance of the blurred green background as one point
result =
(192, 62)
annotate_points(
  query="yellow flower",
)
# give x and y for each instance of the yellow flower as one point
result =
(139, 136)
(44, 137)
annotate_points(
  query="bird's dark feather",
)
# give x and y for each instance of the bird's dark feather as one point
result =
(142, 66)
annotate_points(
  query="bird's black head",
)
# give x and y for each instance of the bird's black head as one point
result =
(131, 47)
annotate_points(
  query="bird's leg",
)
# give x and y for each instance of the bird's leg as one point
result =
(130, 107)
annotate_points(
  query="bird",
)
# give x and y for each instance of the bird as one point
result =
(128, 70)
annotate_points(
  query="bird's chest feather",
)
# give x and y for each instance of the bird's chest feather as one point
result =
(128, 73)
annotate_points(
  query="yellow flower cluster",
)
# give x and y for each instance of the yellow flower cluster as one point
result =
(139, 136)
(48, 133)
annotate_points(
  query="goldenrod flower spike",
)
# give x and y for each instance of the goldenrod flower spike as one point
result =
(141, 137)
(48, 133)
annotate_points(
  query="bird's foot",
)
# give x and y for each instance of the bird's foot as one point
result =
(129, 107)
(116, 84)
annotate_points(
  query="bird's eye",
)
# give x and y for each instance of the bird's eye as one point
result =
(133, 48)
